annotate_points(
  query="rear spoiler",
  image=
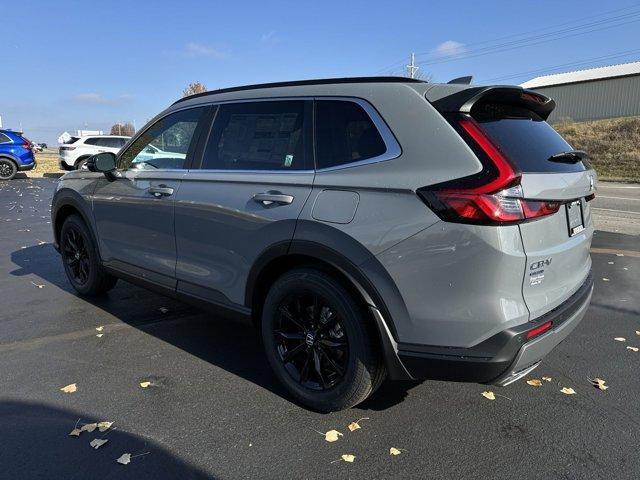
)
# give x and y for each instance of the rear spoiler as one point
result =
(464, 100)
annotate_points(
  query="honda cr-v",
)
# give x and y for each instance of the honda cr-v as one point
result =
(370, 227)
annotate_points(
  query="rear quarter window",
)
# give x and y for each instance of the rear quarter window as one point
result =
(4, 138)
(525, 138)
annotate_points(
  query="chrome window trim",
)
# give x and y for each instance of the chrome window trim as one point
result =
(393, 149)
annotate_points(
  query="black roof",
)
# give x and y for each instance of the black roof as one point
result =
(323, 81)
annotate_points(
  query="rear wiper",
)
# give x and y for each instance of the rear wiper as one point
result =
(572, 156)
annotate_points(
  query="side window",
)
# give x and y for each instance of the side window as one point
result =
(92, 141)
(344, 134)
(258, 136)
(4, 138)
(120, 142)
(165, 145)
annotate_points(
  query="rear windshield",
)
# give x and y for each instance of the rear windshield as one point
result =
(526, 139)
(72, 140)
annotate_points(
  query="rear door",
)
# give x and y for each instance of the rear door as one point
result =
(557, 245)
(255, 176)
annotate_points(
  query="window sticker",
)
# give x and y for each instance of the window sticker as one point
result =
(288, 160)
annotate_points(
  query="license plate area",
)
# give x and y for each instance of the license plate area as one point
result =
(575, 218)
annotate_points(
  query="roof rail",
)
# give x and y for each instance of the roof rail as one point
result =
(324, 81)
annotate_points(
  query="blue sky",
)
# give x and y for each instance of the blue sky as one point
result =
(70, 65)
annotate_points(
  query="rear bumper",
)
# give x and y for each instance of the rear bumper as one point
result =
(503, 358)
(28, 166)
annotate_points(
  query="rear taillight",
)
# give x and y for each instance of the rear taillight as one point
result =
(493, 197)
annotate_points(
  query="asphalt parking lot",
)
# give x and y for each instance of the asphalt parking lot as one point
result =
(214, 410)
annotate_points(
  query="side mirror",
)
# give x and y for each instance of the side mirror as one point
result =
(104, 162)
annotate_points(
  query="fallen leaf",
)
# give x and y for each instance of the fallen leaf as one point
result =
(534, 382)
(104, 426)
(598, 383)
(99, 335)
(356, 425)
(100, 328)
(124, 458)
(619, 254)
(546, 379)
(98, 442)
(605, 279)
(145, 384)
(69, 388)
(37, 284)
(634, 349)
(568, 391)
(163, 309)
(89, 427)
(620, 339)
(348, 457)
(489, 395)
(610, 263)
(332, 435)
(75, 432)
(637, 332)
(394, 451)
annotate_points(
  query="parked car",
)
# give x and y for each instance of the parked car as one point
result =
(371, 227)
(73, 154)
(15, 154)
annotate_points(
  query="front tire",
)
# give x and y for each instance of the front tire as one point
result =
(319, 341)
(80, 259)
(8, 169)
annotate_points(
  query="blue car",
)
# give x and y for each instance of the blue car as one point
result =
(15, 154)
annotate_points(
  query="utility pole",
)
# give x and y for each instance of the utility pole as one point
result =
(412, 68)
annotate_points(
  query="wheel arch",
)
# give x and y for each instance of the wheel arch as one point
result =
(67, 202)
(279, 259)
(10, 157)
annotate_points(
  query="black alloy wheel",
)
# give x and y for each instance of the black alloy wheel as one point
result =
(76, 256)
(8, 169)
(81, 259)
(311, 342)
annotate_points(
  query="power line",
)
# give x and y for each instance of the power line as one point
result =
(537, 32)
(550, 70)
(507, 47)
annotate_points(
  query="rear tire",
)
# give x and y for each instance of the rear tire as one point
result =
(319, 342)
(80, 259)
(8, 169)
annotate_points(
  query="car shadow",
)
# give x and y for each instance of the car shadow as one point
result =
(36, 444)
(229, 343)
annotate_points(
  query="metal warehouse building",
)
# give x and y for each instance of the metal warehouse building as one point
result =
(603, 92)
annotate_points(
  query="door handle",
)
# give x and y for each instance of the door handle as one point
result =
(270, 198)
(161, 191)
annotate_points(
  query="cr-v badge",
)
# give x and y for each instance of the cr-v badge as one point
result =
(536, 269)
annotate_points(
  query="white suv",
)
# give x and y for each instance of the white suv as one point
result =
(74, 153)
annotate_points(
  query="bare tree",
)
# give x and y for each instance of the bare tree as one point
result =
(127, 129)
(193, 88)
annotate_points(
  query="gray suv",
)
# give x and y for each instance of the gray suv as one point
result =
(370, 227)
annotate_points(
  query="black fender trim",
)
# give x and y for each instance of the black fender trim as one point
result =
(378, 300)
(67, 197)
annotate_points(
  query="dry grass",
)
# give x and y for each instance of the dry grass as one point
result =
(47, 165)
(613, 145)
